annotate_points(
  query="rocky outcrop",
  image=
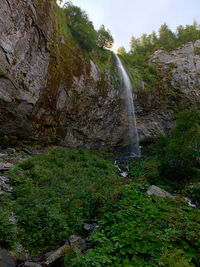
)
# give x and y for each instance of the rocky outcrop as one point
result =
(50, 91)
(156, 191)
(178, 86)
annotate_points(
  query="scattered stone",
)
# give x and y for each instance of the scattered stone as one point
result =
(22, 253)
(2, 155)
(154, 190)
(10, 151)
(78, 244)
(56, 254)
(5, 166)
(6, 260)
(32, 264)
(90, 227)
(4, 186)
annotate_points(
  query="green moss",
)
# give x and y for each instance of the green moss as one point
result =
(197, 51)
(2, 75)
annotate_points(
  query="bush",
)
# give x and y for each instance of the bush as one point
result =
(7, 229)
(139, 231)
(53, 193)
(178, 152)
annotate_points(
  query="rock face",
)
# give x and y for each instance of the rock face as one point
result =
(179, 85)
(50, 91)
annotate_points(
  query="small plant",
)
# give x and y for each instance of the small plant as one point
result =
(2, 75)
(173, 65)
(197, 51)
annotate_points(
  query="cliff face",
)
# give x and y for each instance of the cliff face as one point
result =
(50, 91)
(178, 87)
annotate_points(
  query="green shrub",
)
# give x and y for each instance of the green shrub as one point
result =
(142, 231)
(7, 229)
(53, 193)
(178, 152)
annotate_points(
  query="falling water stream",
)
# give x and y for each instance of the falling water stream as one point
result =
(131, 138)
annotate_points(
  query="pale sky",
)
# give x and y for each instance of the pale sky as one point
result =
(125, 18)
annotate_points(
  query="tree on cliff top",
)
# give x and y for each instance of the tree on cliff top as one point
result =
(104, 38)
(81, 27)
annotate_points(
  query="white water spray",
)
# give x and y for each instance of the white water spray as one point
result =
(131, 139)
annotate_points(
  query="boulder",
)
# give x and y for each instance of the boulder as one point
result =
(78, 244)
(6, 260)
(56, 255)
(156, 191)
(5, 166)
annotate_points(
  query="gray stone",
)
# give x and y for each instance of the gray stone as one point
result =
(180, 70)
(6, 260)
(156, 191)
(56, 255)
(78, 244)
(5, 166)
(4, 186)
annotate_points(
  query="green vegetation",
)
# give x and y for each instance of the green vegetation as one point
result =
(140, 230)
(83, 31)
(53, 193)
(145, 231)
(136, 60)
(177, 153)
(2, 75)
(104, 39)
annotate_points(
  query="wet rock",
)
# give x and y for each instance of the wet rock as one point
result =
(56, 255)
(6, 260)
(156, 191)
(90, 227)
(78, 244)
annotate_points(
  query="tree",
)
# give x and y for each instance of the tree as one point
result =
(134, 45)
(153, 38)
(81, 27)
(167, 38)
(104, 38)
(121, 51)
(178, 152)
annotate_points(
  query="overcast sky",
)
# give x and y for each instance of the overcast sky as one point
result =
(125, 18)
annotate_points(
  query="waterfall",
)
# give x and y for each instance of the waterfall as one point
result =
(131, 139)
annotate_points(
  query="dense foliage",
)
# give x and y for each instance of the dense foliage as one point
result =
(83, 30)
(179, 152)
(54, 192)
(144, 231)
(104, 39)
